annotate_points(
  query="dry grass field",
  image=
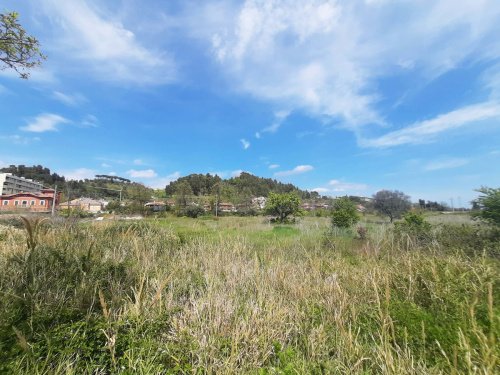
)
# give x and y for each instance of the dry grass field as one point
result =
(238, 295)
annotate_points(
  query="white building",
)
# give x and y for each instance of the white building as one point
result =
(10, 184)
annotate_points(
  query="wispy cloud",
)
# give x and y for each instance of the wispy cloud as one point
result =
(299, 169)
(18, 139)
(279, 118)
(109, 48)
(337, 186)
(245, 143)
(90, 121)
(146, 173)
(79, 174)
(427, 131)
(445, 164)
(138, 162)
(72, 100)
(161, 182)
(274, 166)
(45, 122)
(326, 57)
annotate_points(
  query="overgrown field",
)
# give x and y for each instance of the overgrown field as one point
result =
(238, 295)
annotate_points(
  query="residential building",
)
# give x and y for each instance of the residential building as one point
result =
(34, 202)
(156, 206)
(10, 184)
(84, 204)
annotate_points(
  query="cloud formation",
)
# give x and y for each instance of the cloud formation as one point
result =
(439, 164)
(245, 143)
(108, 48)
(334, 187)
(299, 169)
(46, 122)
(326, 57)
(146, 173)
(426, 131)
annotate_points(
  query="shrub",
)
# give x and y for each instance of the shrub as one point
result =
(344, 214)
(413, 230)
(194, 211)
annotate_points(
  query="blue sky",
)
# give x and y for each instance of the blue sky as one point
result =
(344, 97)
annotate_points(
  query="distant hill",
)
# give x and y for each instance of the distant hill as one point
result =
(36, 172)
(103, 186)
(238, 188)
(245, 184)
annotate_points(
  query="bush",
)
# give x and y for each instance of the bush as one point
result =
(345, 214)
(194, 211)
(413, 230)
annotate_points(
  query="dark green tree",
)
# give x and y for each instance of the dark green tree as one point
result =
(18, 50)
(391, 203)
(345, 214)
(488, 205)
(282, 205)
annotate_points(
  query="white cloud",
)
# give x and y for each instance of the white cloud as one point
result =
(109, 48)
(71, 100)
(146, 173)
(161, 182)
(19, 140)
(274, 166)
(299, 169)
(90, 121)
(340, 186)
(326, 57)
(426, 131)
(79, 174)
(237, 173)
(445, 164)
(245, 143)
(334, 187)
(279, 118)
(105, 165)
(44, 123)
(138, 162)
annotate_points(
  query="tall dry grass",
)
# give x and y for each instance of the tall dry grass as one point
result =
(141, 298)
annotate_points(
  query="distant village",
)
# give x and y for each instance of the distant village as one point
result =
(26, 195)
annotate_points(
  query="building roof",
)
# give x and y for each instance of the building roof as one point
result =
(43, 195)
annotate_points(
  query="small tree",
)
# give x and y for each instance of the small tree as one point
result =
(489, 205)
(282, 205)
(345, 214)
(391, 203)
(18, 50)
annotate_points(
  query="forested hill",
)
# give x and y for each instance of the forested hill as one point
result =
(36, 173)
(245, 184)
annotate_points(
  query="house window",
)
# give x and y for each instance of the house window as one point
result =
(25, 203)
(16, 203)
(32, 203)
(42, 203)
(5, 203)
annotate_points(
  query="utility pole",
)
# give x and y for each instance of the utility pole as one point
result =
(54, 201)
(452, 207)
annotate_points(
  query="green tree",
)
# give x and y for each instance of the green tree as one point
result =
(183, 192)
(345, 214)
(391, 203)
(18, 50)
(489, 205)
(282, 205)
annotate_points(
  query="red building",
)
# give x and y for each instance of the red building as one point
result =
(35, 202)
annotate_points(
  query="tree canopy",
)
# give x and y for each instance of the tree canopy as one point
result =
(489, 205)
(282, 205)
(18, 50)
(345, 214)
(391, 203)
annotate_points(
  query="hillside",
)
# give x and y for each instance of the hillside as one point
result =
(243, 185)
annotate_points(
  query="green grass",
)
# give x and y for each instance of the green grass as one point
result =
(239, 295)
